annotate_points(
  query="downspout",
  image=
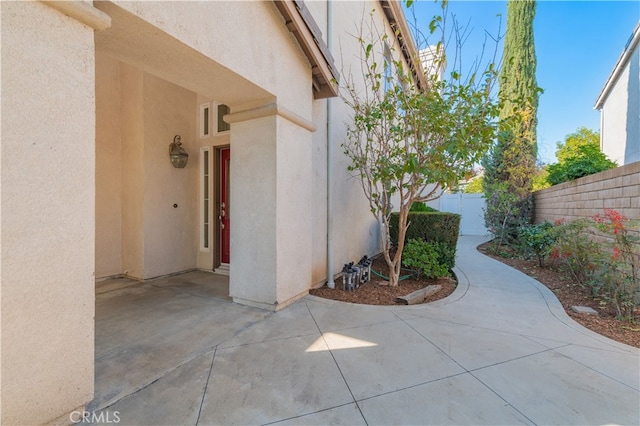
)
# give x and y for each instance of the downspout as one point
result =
(330, 282)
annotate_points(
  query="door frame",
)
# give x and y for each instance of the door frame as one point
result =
(217, 182)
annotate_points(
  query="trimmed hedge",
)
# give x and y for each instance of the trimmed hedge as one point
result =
(433, 227)
(421, 207)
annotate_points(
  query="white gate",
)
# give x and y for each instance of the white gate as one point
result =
(470, 207)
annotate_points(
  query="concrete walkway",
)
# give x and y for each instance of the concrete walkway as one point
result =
(500, 350)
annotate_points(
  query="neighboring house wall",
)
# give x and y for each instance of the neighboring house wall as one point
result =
(48, 214)
(617, 189)
(619, 105)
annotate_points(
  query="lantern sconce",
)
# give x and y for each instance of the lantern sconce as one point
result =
(177, 154)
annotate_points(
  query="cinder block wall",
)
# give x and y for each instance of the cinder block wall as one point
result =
(617, 189)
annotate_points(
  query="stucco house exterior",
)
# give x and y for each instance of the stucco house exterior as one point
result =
(619, 106)
(93, 96)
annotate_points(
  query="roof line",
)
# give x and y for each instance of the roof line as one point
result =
(301, 24)
(393, 11)
(617, 69)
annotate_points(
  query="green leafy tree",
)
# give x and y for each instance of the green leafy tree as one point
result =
(407, 143)
(511, 163)
(585, 160)
(540, 178)
(474, 186)
(579, 155)
(573, 141)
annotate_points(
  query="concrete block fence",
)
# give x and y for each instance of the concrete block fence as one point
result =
(617, 189)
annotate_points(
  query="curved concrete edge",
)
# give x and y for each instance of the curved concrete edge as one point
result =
(557, 310)
(462, 289)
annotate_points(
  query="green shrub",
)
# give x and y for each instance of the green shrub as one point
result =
(446, 254)
(434, 226)
(421, 207)
(424, 257)
(537, 240)
(506, 213)
(438, 228)
(576, 251)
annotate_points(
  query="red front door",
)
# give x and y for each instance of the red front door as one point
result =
(225, 185)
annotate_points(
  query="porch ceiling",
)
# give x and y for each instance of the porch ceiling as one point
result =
(134, 41)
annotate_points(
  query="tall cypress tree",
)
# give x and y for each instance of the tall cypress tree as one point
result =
(511, 165)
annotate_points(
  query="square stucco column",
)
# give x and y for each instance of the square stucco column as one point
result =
(271, 223)
(47, 230)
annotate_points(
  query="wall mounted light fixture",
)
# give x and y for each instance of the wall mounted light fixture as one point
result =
(177, 154)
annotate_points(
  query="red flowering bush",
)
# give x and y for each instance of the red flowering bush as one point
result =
(575, 250)
(619, 273)
(603, 254)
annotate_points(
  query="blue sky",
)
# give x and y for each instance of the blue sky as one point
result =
(577, 46)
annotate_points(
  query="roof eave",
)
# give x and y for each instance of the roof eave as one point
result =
(395, 15)
(299, 21)
(617, 69)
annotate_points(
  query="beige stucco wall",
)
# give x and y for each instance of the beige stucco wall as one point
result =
(617, 189)
(138, 231)
(294, 213)
(277, 69)
(47, 226)
(254, 208)
(271, 211)
(132, 179)
(170, 237)
(318, 195)
(355, 230)
(108, 168)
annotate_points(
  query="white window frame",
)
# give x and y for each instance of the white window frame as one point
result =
(387, 74)
(206, 204)
(217, 131)
(205, 121)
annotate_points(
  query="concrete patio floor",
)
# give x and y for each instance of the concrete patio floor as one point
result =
(500, 350)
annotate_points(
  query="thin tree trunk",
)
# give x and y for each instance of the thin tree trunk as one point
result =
(395, 264)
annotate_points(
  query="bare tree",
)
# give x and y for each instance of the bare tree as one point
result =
(409, 143)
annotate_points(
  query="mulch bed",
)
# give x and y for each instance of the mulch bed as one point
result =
(373, 293)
